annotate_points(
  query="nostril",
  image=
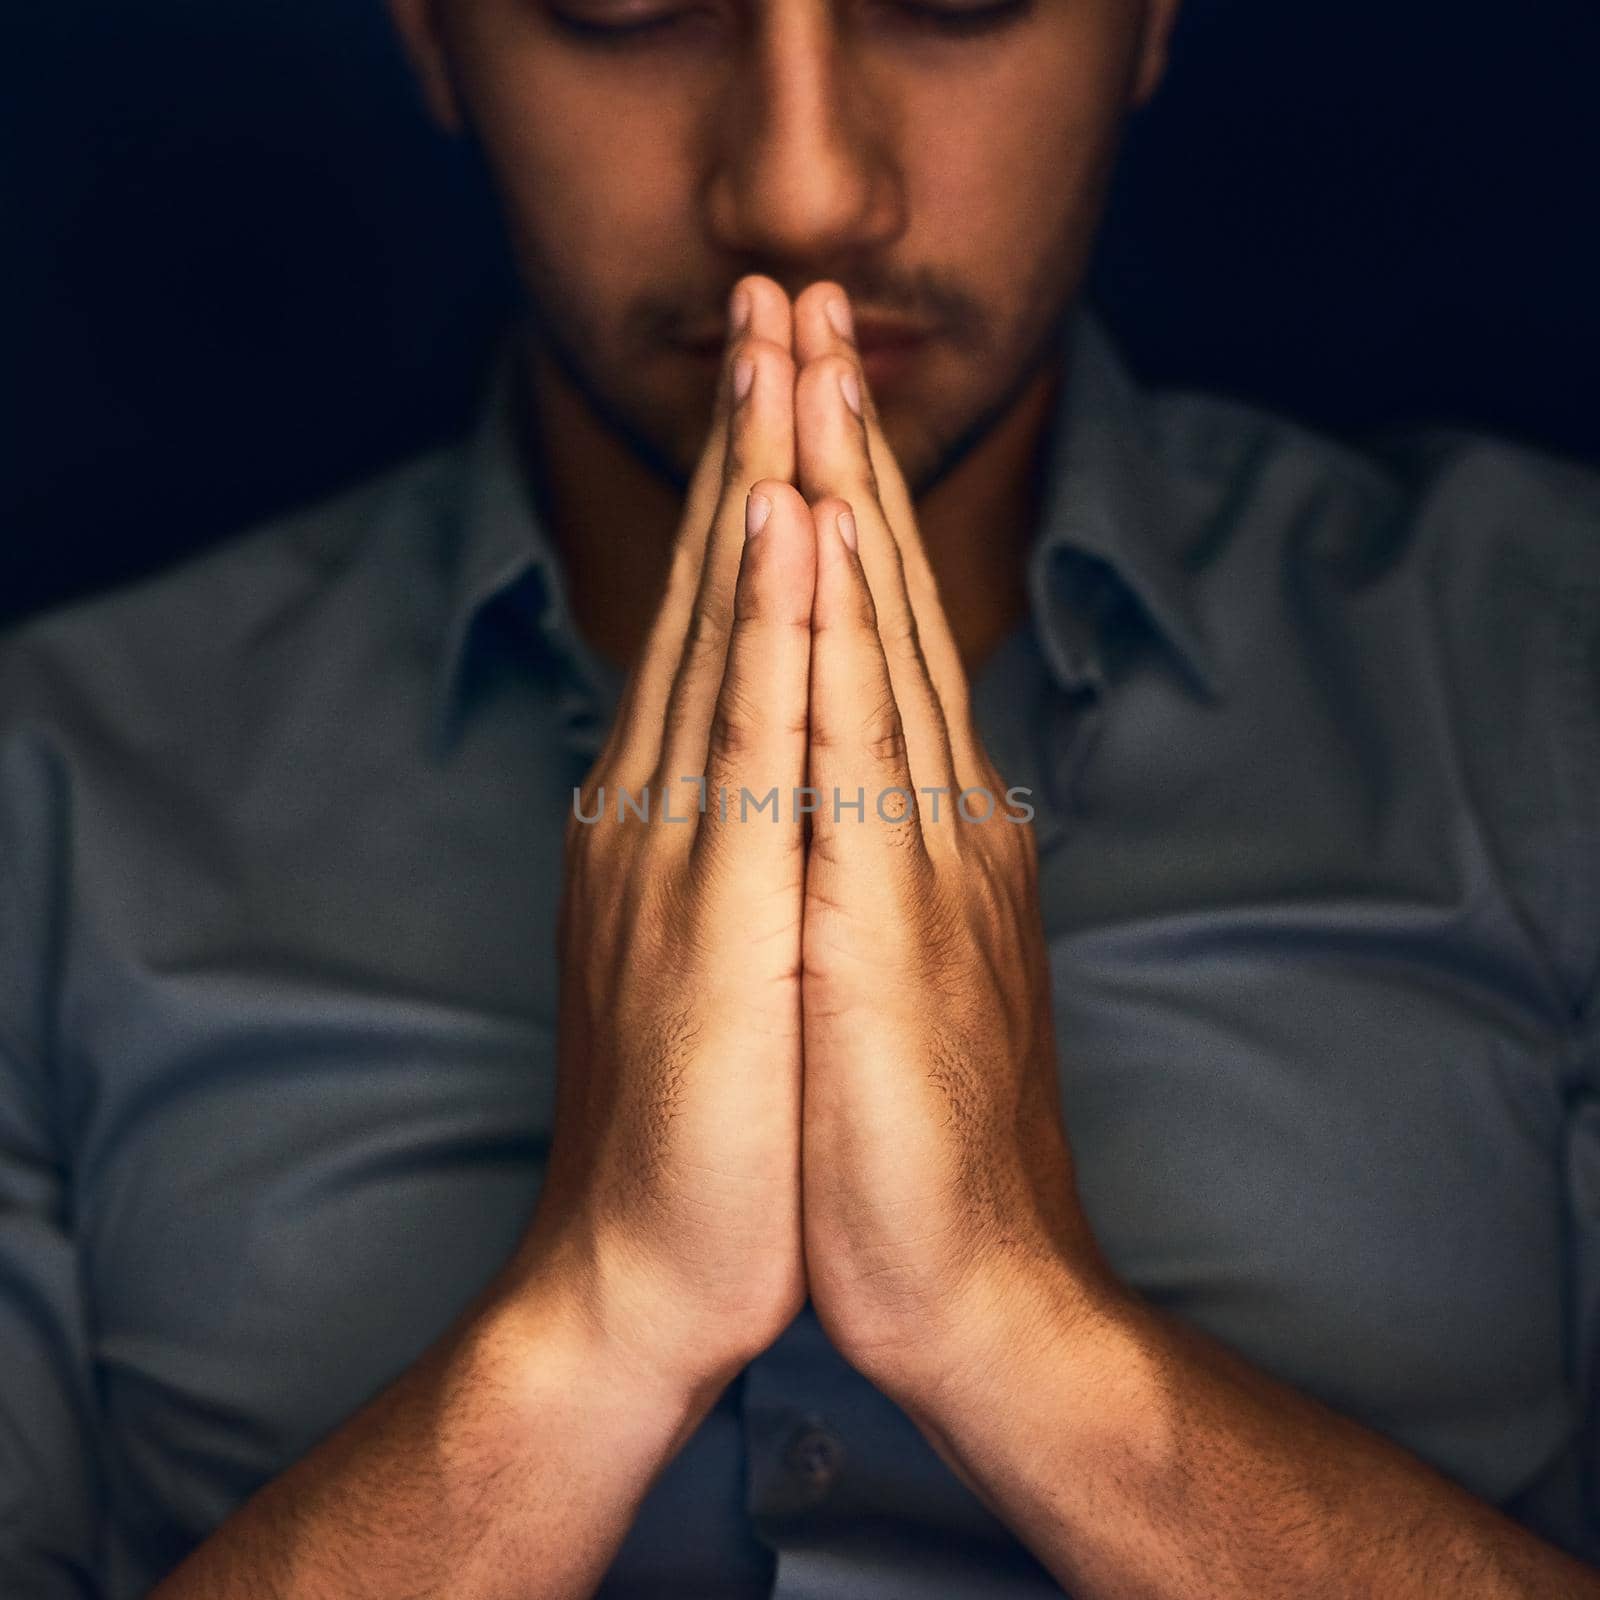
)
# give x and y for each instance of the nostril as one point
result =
(798, 181)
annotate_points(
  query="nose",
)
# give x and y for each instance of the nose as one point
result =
(802, 173)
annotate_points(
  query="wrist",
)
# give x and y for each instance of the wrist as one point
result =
(1013, 1321)
(1053, 1370)
(553, 1341)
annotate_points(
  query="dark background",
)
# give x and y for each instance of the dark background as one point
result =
(240, 270)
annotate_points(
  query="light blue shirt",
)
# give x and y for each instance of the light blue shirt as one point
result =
(1314, 744)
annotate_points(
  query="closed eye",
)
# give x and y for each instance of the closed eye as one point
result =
(961, 19)
(951, 19)
(614, 30)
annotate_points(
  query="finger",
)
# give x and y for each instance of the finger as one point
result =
(832, 461)
(823, 327)
(939, 648)
(757, 749)
(760, 446)
(858, 757)
(634, 744)
(824, 324)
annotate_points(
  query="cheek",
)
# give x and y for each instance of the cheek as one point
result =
(598, 186)
(1015, 162)
(1010, 182)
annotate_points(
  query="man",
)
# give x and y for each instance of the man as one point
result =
(420, 1178)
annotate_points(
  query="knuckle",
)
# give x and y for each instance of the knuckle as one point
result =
(732, 730)
(824, 736)
(887, 746)
(708, 626)
(900, 631)
(883, 732)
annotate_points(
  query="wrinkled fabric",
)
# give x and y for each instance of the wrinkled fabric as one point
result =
(1313, 738)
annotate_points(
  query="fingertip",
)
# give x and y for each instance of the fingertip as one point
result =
(815, 331)
(757, 511)
(833, 447)
(829, 509)
(763, 291)
(816, 295)
(773, 503)
(744, 376)
(757, 411)
(779, 560)
(850, 389)
(778, 491)
(838, 562)
(770, 308)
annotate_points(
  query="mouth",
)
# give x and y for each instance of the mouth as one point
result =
(888, 349)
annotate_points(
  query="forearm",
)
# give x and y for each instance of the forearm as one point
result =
(507, 1464)
(1136, 1456)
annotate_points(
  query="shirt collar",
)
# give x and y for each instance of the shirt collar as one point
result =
(1109, 517)
(503, 549)
(1111, 520)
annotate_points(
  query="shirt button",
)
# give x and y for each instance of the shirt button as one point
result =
(814, 1456)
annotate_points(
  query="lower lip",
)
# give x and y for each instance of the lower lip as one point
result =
(887, 364)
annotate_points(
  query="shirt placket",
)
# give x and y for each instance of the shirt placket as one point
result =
(854, 1501)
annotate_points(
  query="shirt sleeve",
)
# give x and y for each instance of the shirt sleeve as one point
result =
(1560, 821)
(1583, 1188)
(49, 1495)
(1583, 1124)
(1516, 561)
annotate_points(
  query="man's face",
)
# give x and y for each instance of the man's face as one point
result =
(945, 161)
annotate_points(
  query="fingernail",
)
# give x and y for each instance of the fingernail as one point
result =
(850, 388)
(756, 511)
(847, 528)
(739, 309)
(839, 316)
(744, 374)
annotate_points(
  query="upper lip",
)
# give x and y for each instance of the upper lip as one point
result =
(872, 333)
